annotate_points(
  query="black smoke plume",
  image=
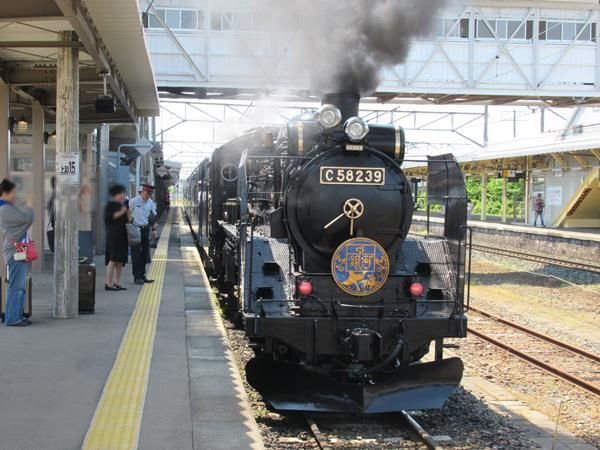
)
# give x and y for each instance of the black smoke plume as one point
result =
(344, 44)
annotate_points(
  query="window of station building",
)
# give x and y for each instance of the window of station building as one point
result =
(502, 28)
(529, 30)
(516, 29)
(569, 31)
(189, 20)
(464, 28)
(449, 28)
(178, 19)
(221, 21)
(588, 32)
(554, 30)
(153, 22)
(173, 18)
(486, 30)
(538, 185)
(242, 21)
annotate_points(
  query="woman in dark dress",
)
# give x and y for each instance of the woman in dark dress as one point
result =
(116, 215)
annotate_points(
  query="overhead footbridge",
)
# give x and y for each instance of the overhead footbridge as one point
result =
(479, 51)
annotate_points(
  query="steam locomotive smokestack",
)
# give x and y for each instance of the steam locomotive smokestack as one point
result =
(347, 102)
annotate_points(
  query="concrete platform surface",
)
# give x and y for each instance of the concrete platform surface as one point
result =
(538, 427)
(582, 234)
(53, 372)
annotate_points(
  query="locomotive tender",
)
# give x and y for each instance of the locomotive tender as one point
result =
(304, 230)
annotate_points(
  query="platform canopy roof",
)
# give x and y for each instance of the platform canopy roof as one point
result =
(587, 138)
(109, 34)
(577, 143)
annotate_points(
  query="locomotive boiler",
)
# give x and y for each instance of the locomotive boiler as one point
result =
(305, 231)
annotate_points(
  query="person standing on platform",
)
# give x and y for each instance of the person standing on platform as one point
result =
(116, 215)
(14, 222)
(142, 209)
(538, 209)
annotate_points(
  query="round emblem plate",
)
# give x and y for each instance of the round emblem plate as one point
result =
(360, 266)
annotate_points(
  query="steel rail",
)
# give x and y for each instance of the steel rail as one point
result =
(423, 435)
(427, 439)
(536, 257)
(316, 432)
(577, 350)
(541, 364)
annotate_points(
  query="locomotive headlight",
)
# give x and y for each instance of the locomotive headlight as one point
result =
(356, 129)
(329, 116)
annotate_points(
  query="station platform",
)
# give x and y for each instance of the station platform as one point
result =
(151, 368)
(576, 244)
(583, 234)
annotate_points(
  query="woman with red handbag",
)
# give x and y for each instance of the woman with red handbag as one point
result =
(17, 251)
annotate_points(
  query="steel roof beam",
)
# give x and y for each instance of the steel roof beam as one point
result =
(88, 35)
(582, 162)
(560, 159)
(40, 44)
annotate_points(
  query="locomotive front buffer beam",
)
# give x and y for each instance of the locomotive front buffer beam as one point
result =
(303, 387)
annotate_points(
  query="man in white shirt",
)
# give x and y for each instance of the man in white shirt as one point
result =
(143, 211)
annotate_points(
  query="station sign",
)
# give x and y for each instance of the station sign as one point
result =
(67, 167)
(554, 197)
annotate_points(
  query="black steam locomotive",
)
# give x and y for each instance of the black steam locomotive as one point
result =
(304, 230)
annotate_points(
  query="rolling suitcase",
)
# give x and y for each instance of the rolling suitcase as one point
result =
(87, 289)
(27, 310)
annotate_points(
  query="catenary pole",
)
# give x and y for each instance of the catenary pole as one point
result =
(66, 271)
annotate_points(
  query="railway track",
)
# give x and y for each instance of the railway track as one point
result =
(563, 360)
(422, 435)
(536, 257)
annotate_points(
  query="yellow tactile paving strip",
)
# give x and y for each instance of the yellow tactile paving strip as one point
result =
(118, 417)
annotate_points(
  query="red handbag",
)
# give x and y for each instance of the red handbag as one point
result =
(28, 249)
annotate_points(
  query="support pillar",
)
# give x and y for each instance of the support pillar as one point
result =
(4, 131)
(103, 172)
(486, 117)
(4, 144)
(527, 187)
(38, 153)
(542, 120)
(484, 183)
(504, 198)
(66, 271)
(138, 172)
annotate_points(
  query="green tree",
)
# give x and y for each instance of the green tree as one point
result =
(515, 196)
